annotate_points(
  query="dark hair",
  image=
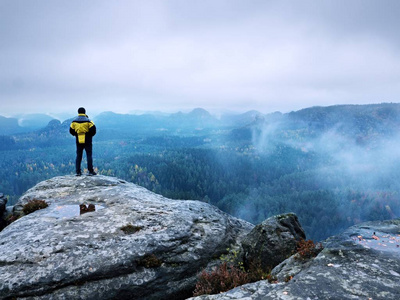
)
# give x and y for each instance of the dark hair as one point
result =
(81, 110)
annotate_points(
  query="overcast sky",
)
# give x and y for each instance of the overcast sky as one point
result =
(181, 54)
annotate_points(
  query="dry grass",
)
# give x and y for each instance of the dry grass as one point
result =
(34, 205)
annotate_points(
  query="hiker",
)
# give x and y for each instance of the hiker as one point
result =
(83, 129)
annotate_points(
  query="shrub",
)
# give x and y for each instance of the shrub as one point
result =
(33, 205)
(223, 278)
(288, 278)
(230, 274)
(256, 272)
(150, 261)
(11, 218)
(226, 276)
(308, 249)
(130, 229)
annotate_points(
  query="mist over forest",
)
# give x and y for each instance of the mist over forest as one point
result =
(333, 166)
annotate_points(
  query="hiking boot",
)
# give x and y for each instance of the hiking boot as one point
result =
(92, 173)
(78, 174)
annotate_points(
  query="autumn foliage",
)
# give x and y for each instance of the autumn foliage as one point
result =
(34, 205)
(308, 249)
(230, 274)
(223, 278)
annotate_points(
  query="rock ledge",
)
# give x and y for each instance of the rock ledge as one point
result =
(361, 263)
(59, 253)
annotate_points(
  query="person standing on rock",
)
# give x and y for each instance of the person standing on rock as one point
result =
(83, 129)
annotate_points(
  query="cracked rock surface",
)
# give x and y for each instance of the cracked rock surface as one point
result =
(59, 253)
(361, 263)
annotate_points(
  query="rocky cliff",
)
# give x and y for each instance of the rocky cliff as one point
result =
(361, 263)
(104, 238)
(3, 202)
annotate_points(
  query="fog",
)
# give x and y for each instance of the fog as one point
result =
(344, 171)
(333, 166)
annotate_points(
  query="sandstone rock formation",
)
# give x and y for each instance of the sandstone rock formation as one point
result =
(104, 238)
(272, 241)
(361, 263)
(3, 202)
(135, 245)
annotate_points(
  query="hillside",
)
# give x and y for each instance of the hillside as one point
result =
(23, 123)
(9, 126)
(333, 166)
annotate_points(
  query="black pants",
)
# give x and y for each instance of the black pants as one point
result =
(79, 154)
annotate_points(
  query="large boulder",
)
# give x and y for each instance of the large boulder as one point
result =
(3, 203)
(361, 263)
(272, 241)
(104, 238)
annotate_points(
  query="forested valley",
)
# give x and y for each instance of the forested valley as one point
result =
(332, 166)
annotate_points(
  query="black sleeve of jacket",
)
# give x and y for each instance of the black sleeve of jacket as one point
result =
(72, 132)
(92, 130)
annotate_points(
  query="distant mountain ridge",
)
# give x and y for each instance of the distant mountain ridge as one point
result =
(33, 121)
(359, 120)
(9, 126)
(363, 117)
(184, 123)
(23, 123)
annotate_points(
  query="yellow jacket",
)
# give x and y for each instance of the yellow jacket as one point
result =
(83, 128)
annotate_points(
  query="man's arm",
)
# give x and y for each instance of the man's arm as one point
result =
(92, 129)
(72, 130)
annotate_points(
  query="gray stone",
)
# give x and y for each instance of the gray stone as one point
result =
(3, 203)
(3, 211)
(57, 253)
(361, 263)
(272, 241)
(9, 210)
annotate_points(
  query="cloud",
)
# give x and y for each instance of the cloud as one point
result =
(266, 55)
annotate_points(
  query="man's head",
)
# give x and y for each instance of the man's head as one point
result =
(81, 110)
